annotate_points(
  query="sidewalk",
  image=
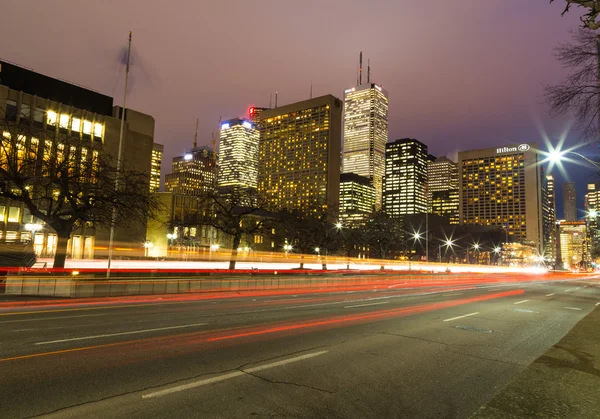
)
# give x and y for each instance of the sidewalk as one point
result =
(562, 383)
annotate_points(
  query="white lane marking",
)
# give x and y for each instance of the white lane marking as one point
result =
(573, 308)
(460, 317)
(549, 295)
(121, 333)
(230, 375)
(567, 290)
(51, 318)
(598, 303)
(521, 302)
(366, 305)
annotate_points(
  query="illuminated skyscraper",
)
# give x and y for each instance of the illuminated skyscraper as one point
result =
(357, 198)
(299, 161)
(592, 214)
(405, 178)
(442, 188)
(569, 202)
(503, 187)
(238, 154)
(193, 173)
(157, 152)
(366, 134)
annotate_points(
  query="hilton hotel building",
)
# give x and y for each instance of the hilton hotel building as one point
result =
(503, 187)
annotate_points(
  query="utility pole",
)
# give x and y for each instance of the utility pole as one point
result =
(119, 157)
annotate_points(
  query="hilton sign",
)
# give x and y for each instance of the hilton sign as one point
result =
(516, 149)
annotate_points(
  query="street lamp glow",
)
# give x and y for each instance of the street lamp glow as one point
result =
(592, 213)
(171, 236)
(497, 249)
(449, 243)
(214, 247)
(338, 225)
(317, 249)
(33, 227)
(417, 236)
(555, 156)
(476, 246)
(148, 245)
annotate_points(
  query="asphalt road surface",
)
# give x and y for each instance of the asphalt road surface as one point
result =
(397, 351)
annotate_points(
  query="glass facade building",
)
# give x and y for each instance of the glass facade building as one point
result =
(366, 134)
(238, 155)
(442, 189)
(193, 173)
(357, 198)
(404, 189)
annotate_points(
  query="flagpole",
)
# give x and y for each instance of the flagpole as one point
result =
(119, 157)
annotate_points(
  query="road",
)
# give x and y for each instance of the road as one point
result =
(422, 351)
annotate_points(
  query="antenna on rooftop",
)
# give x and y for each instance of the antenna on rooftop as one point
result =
(196, 135)
(369, 71)
(360, 67)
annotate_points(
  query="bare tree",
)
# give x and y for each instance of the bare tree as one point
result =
(579, 94)
(237, 213)
(67, 182)
(589, 19)
(310, 229)
(383, 233)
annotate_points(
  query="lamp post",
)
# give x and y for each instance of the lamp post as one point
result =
(476, 248)
(213, 248)
(497, 251)
(318, 252)
(287, 248)
(147, 246)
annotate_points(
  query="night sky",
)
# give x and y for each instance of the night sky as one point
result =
(461, 75)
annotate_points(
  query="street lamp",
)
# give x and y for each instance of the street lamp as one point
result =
(338, 225)
(32, 228)
(287, 248)
(318, 250)
(170, 238)
(476, 248)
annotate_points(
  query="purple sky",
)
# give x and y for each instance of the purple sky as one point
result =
(464, 74)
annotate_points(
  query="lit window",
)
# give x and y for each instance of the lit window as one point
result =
(87, 127)
(98, 130)
(51, 118)
(76, 124)
(13, 214)
(63, 122)
(2, 210)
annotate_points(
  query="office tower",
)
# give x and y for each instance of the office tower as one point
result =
(501, 187)
(299, 159)
(194, 173)
(238, 155)
(60, 109)
(366, 134)
(442, 188)
(357, 198)
(549, 223)
(405, 178)
(569, 202)
(157, 152)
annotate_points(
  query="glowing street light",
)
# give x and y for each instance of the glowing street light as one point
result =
(147, 246)
(287, 248)
(592, 214)
(497, 249)
(338, 225)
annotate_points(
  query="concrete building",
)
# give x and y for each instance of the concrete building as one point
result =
(299, 158)
(238, 155)
(61, 108)
(157, 153)
(366, 134)
(404, 186)
(254, 114)
(357, 198)
(503, 187)
(569, 201)
(442, 188)
(193, 173)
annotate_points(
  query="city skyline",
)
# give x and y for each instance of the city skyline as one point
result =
(448, 109)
